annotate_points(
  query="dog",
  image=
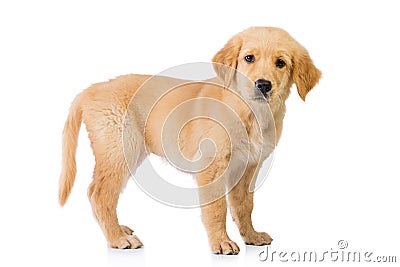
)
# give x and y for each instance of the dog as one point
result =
(255, 71)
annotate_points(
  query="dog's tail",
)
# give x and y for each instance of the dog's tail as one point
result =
(69, 144)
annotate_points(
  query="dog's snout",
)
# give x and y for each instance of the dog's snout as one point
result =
(263, 85)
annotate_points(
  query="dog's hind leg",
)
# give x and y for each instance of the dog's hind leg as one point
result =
(108, 181)
(109, 178)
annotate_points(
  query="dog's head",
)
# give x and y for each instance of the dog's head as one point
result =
(270, 59)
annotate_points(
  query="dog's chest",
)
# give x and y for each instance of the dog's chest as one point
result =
(262, 140)
(261, 136)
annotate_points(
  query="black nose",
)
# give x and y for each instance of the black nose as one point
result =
(263, 85)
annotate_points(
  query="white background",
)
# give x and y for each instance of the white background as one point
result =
(336, 171)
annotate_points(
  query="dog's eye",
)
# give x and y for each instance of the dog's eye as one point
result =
(249, 58)
(280, 63)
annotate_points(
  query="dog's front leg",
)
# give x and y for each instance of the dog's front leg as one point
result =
(241, 206)
(213, 210)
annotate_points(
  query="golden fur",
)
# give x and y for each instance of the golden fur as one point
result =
(103, 108)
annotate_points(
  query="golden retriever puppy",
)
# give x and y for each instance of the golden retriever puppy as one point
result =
(241, 111)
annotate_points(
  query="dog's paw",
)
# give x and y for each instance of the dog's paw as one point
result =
(127, 242)
(126, 230)
(257, 239)
(226, 247)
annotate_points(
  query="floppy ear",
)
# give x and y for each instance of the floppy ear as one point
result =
(305, 74)
(227, 56)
